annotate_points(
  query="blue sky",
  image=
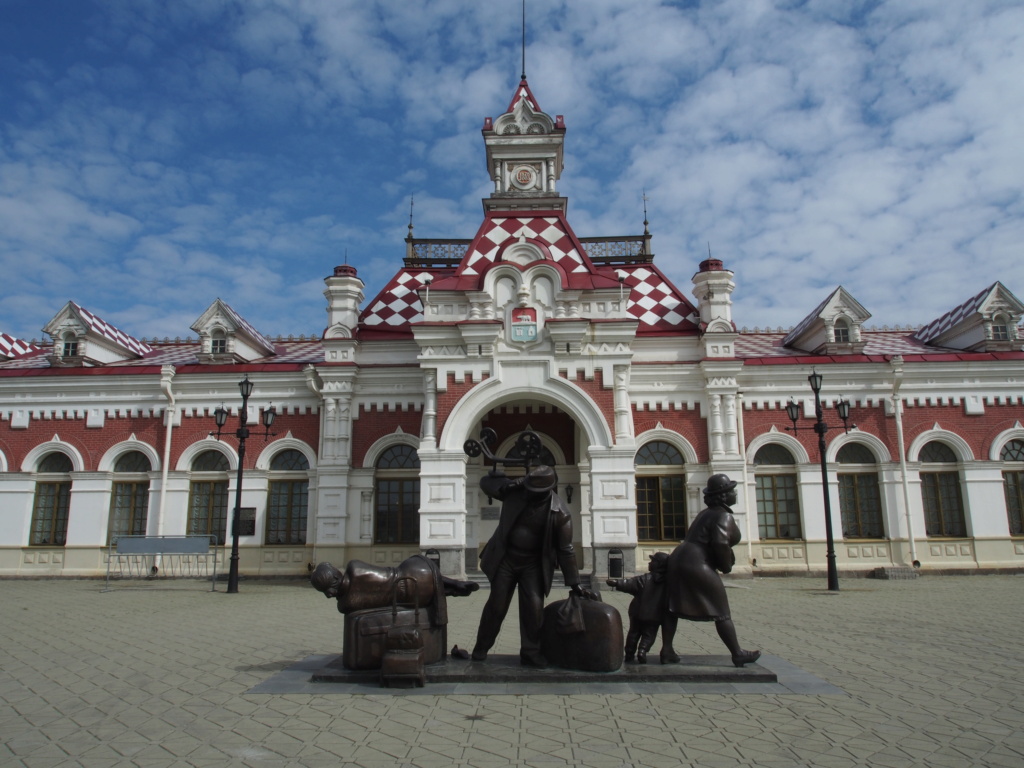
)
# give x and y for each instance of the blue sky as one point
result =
(157, 155)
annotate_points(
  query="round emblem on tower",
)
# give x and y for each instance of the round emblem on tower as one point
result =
(524, 177)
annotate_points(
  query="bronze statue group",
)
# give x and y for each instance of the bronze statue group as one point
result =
(535, 531)
(533, 535)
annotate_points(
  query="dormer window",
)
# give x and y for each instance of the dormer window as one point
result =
(987, 322)
(80, 338)
(228, 338)
(833, 328)
(70, 345)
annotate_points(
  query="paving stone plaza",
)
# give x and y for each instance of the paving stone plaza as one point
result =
(927, 672)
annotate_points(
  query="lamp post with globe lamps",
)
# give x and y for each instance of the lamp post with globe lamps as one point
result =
(220, 415)
(820, 428)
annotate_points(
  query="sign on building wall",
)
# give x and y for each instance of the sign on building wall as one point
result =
(246, 521)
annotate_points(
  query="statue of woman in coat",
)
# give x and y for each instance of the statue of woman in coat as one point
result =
(696, 591)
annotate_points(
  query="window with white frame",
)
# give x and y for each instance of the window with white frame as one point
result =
(1000, 328)
(129, 495)
(218, 342)
(208, 496)
(778, 504)
(52, 502)
(860, 501)
(69, 345)
(287, 498)
(660, 492)
(1012, 457)
(940, 491)
(841, 329)
(397, 491)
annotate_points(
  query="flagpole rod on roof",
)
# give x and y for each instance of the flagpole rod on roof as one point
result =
(524, 41)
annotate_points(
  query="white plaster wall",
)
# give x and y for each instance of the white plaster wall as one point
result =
(985, 501)
(89, 509)
(17, 492)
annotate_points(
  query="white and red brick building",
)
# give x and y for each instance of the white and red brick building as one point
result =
(638, 389)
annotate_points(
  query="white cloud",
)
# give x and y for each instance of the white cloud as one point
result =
(162, 154)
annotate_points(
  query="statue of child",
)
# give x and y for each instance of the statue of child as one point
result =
(648, 610)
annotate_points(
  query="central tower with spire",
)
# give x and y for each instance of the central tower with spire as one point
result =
(524, 156)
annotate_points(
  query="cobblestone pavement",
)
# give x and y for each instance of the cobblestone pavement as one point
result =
(932, 670)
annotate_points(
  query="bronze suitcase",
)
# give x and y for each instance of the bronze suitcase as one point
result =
(402, 664)
(598, 648)
(366, 633)
(366, 636)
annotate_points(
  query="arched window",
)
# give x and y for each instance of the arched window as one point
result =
(218, 342)
(660, 492)
(860, 502)
(1012, 457)
(69, 345)
(52, 501)
(208, 496)
(129, 498)
(288, 498)
(778, 506)
(940, 491)
(841, 330)
(397, 485)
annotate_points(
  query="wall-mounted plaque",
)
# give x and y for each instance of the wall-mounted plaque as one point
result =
(246, 521)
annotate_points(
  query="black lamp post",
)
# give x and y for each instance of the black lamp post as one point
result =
(242, 433)
(820, 428)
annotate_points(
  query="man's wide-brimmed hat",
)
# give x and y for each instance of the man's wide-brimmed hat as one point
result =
(718, 484)
(540, 479)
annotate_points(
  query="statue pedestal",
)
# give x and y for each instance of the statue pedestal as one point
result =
(502, 668)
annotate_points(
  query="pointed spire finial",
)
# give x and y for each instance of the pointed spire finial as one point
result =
(644, 196)
(412, 202)
(524, 41)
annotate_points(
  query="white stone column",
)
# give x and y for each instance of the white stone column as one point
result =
(623, 410)
(730, 425)
(429, 425)
(443, 508)
(366, 515)
(715, 425)
(613, 506)
(330, 428)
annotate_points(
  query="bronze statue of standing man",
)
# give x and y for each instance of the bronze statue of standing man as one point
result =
(534, 533)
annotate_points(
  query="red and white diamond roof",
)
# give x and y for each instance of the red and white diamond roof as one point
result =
(653, 300)
(246, 326)
(107, 331)
(551, 231)
(398, 305)
(12, 347)
(955, 316)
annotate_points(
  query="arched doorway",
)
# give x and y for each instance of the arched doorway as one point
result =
(559, 440)
(599, 470)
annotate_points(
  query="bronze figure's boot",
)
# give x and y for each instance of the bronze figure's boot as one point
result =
(745, 657)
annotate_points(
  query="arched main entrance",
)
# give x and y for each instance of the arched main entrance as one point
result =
(455, 520)
(560, 441)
